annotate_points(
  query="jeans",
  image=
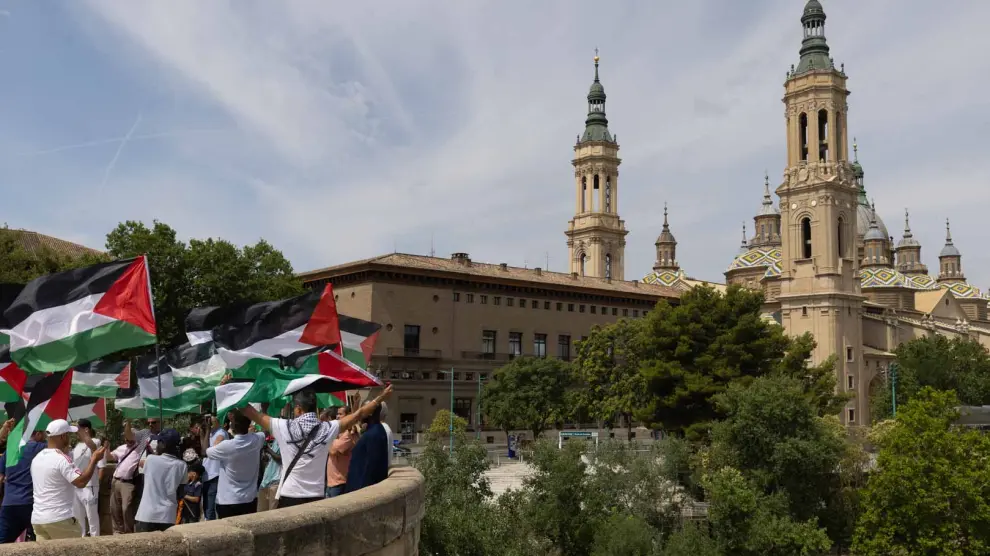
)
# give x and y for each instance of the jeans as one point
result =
(335, 490)
(14, 520)
(145, 527)
(233, 510)
(210, 499)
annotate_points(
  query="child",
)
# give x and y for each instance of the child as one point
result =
(192, 493)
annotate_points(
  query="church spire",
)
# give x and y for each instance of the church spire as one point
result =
(596, 125)
(744, 246)
(950, 260)
(909, 251)
(814, 47)
(666, 247)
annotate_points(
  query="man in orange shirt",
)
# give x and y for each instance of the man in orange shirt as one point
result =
(340, 457)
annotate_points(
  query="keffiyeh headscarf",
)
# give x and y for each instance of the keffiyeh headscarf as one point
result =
(300, 427)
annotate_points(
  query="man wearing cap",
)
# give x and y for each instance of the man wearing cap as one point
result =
(56, 480)
(164, 473)
(87, 499)
(18, 498)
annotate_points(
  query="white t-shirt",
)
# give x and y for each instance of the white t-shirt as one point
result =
(240, 460)
(212, 467)
(388, 431)
(52, 473)
(81, 455)
(162, 477)
(309, 476)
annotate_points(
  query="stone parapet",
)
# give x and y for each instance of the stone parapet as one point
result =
(381, 520)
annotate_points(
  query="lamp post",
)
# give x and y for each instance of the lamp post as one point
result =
(478, 416)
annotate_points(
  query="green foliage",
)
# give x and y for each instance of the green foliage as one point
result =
(556, 492)
(623, 535)
(528, 393)
(19, 266)
(692, 539)
(958, 364)
(440, 427)
(930, 493)
(204, 273)
(818, 381)
(607, 368)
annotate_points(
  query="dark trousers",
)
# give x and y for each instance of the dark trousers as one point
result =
(234, 510)
(286, 502)
(13, 521)
(335, 490)
(145, 527)
(210, 498)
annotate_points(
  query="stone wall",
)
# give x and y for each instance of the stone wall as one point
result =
(382, 520)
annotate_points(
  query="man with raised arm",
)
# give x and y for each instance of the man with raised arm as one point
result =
(304, 444)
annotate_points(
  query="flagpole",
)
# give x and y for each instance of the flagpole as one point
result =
(158, 364)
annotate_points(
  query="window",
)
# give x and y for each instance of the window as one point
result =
(823, 135)
(594, 308)
(564, 347)
(849, 354)
(608, 266)
(407, 426)
(803, 125)
(850, 415)
(470, 298)
(522, 303)
(584, 192)
(838, 239)
(540, 345)
(584, 259)
(457, 296)
(426, 375)
(497, 300)
(595, 189)
(615, 311)
(570, 307)
(850, 383)
(635, 312)
(534, 304)
(546, 305)
(804, 311)
(410, 339)
(580, 308)
(625, 312)
(515, 344)
(806, 237)
(488, 344)
(484, 300)
(462, 408)
(560, 306)
(608, 194)
(440, 376)
(509, 301)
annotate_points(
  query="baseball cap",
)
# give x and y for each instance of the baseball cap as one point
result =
(168, 436)
(60, 426)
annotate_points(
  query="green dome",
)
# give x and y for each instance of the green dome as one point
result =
(596, 125)
(813, 8)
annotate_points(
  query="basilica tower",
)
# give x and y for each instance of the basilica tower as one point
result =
(819, 282)
(596, 237)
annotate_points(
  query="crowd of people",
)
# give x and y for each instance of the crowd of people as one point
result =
(251, 463)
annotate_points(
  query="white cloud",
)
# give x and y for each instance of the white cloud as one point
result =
(363, 126)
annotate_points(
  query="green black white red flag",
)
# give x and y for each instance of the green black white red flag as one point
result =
(275, 386)
(66, 319)
(94, 409)
(100, 379)
(49, 400)
(12, 378)
(358, 339)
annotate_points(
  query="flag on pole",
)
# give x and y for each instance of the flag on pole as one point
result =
(261, 336)
(100, 379)
(272, 386)
(128, 401)
(201, 321)
(8, 293)
(182, 394)
(94, 409)
(66, 319)
(49, 400)
(358, 339)
(195, 362)
(12, 378)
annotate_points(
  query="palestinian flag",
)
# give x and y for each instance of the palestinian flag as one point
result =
(130, 404)
(274, 387)
(8, 293)
(49, 401)
(194, 363)
(94, 409)
(201, 321)
(261, 336)
(100, 379)
(170, 389)
(66, 319)
(325, 361)
(12, 378)
(358, 339)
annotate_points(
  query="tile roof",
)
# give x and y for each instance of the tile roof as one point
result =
(496, 271)
(34, 242)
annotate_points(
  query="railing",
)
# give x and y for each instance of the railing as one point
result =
(414, 352)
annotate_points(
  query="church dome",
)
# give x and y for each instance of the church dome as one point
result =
(863, 215)
(760, 257)
(881, 277)
(963, 290)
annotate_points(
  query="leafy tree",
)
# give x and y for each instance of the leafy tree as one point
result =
(958, 364)
(623, 535)
(607, 370)
(819, 380)
(930, 493)
(692, 351)
(528, 393)
(692, 539)
(555, 495)
(19, 265)
(440, 427)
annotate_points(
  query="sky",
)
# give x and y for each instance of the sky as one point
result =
(345, 130)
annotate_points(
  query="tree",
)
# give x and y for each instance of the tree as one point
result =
(930, 493)
(607, 370)
(528, 393)
(204, 273)
(19, 265)
(819, 380)
(440, 427)
(692, 351)
(555, 494)
(958, 364)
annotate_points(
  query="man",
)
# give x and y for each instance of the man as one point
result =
(211, 476)
(18, 498)
(369, 464)
(304, 477)
(86, 505)
(340, 456)
(269, 479)
(237, 491)
(164, 473)
(126, 479)
(388, 432)
(56, 481)
(152, 444)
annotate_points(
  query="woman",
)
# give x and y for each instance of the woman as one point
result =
(340, 456)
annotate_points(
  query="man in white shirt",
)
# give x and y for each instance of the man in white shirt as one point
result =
(211, 475)
(239, 459)
(303, 477)
(56, 480)
(164, 473)
(388, 432)
(86, 506)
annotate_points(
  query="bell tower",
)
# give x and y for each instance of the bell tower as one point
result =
(820, 284)
(596, 236)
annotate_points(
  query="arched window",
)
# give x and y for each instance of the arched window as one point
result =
(608, 193)
(584, 192)
(584, 259)
(803, 125)
(823, 135)
(841, 247)
(608, 266)
(594, 194)
(806, 237)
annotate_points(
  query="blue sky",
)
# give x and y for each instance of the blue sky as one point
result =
(344, 130)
